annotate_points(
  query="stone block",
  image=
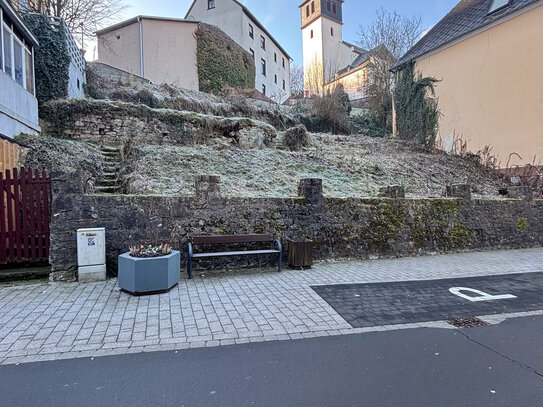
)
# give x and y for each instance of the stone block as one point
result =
(208, 187)
(311, 189)
(521, 192)
(392, 191)
(462, 191)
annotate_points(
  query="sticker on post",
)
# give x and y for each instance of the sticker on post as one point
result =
(479, 295)
(92, 242)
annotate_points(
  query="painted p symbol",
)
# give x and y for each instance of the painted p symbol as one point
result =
(479, 295)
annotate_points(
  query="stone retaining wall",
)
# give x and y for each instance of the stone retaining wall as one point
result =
(340, 228)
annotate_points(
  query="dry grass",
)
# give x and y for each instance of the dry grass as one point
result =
(351, 166)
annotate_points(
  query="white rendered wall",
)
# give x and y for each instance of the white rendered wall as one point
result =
(18, 108)
(229, 17)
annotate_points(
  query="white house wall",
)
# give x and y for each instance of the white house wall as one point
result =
(18, 108)
(229, 17)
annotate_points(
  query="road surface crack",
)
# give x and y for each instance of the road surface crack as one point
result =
(516, 362)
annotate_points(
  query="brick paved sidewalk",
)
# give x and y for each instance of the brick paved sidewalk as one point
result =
(57, 321)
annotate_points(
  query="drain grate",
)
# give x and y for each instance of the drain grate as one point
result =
(471, 322)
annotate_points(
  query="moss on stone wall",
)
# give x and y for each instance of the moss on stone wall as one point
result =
(221, 62)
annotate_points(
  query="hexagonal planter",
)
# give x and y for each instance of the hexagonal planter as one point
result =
(154, 275)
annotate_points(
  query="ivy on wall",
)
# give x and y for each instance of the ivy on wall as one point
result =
(51, 58)
(222, 63)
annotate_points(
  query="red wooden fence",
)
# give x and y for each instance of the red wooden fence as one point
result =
(25, 207)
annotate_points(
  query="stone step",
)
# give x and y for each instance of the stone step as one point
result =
(107, 189)
(110, 175)
(110, 149)
(107, 182)
(110, 155)
(111, 169)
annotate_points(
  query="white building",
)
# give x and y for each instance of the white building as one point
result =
(271, 60)
(328, 60)
(18, 103)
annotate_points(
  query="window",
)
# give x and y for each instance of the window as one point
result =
(8, 58)
(275, 57)
(498, 5)
(275, 79)
(210, 4)
(263, 66)
(311, 33)
(264, 90)
(18, 62)
(251, 31)
(328, 5)
(307, 11)
(262, 42)
(16, 58)
(312, 7)
(332, 31)
(252, 53)
(283, 63)
(284, 85)
(334, 8)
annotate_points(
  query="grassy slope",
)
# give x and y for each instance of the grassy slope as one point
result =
(350, 166)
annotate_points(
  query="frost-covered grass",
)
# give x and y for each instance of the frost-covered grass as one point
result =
(350, 166)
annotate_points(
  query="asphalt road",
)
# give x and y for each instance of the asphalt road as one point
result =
(480, 367)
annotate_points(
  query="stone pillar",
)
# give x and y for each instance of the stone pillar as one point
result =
(208, 187)
(462, 191)
(311, 189)
(392, 191)
(521, 192)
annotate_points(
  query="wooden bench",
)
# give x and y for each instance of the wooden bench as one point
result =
(232, 239)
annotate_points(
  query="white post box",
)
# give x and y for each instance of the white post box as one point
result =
(91, 254)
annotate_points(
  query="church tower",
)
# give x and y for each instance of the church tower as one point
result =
(324, 52)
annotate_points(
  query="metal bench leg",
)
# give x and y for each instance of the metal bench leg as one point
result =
(278, 243)
(189, 261)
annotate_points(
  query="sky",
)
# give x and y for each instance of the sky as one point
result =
(282, 17)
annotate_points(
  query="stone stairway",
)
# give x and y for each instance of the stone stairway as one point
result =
(109, 183)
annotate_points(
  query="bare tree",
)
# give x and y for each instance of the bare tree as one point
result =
(83, 17)
(396, 32)
(297, 80)
(387, 38)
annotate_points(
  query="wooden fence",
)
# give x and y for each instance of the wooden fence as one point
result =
(25, 207)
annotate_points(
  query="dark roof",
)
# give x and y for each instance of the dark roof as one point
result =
(380, 51)
(255, 21)
(10, 12)
(466, 17)
(356, 47)
(136, 19)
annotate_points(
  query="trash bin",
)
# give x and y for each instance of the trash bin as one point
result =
(300, 253)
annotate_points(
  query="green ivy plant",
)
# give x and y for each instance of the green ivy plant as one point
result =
(51, 58)
(221, 62)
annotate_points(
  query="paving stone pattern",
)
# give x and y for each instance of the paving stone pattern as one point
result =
(52, 321)
(365, 305)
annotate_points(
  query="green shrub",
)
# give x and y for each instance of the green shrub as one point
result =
(369, 125)
(417, 112)
(221, 62)
(330, 113)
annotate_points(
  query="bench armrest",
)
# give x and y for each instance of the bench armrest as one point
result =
(277, 243)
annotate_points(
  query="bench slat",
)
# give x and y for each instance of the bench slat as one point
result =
(224, 239)
(240, 253)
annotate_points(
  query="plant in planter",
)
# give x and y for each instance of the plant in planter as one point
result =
(149, 269)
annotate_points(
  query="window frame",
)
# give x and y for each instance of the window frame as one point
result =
(284, 63)
(328, 5)
(493, 8)
(262, 42)
(275, 79)
(284, 85)
(211, 4)
(27, 55)
(307, 13)
(312, 7)
(251, 31)
(264, 89)
(332, 31)
(263, 66)
(334, 8)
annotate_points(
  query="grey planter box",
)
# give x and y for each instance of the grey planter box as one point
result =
(139, 276)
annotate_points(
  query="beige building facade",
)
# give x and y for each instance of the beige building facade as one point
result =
(162, 50)
(491, 89)
(272, 62)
